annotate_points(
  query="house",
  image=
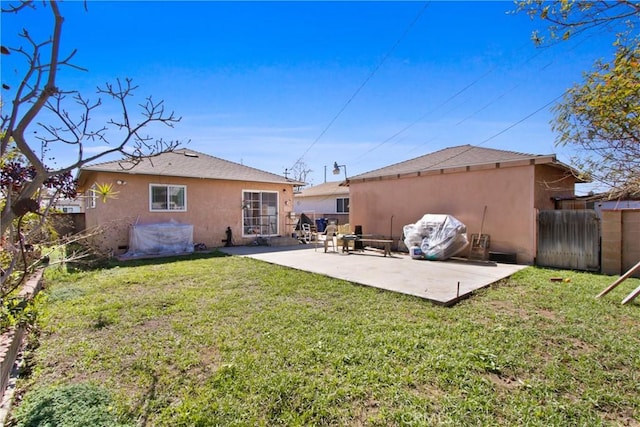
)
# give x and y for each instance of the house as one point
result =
(186, 187)
(329, 200)
(462, 181)
(599, 202)
(69, 205)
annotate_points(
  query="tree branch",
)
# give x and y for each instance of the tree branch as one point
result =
(38, 90)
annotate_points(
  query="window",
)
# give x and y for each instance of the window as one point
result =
(342, 205)
(167, 198)
(90, 197)
(259, 213)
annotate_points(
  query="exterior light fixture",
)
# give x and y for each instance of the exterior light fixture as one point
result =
(336, 169)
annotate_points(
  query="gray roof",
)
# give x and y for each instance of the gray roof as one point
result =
(190, 164)
(457, 157)
(326, 189)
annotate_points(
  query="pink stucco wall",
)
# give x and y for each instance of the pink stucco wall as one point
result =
(512, 196)
(212, 206)
(551, 182)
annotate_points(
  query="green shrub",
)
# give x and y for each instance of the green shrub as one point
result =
(69, 405)
(16, 311)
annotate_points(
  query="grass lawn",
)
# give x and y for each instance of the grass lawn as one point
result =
(238, 342)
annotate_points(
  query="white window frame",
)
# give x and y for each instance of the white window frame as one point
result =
(167, 186)
(261, 229)
(343, 210)
(91, 196)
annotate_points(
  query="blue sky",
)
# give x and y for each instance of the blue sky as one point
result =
(366, 84)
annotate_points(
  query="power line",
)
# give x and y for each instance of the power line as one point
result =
(458, 93)
(445, 102)
(484, 107)
(511, 126)
(468, 86)
(436, 108)
(366, 80)
(524, 118)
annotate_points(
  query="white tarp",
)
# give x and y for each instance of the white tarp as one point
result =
(438, 236)
(160, 239)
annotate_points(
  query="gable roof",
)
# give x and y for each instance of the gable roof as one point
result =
(189, 164)
(463, 156)
(325, 189)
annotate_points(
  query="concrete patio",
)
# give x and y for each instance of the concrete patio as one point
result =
(442, 282)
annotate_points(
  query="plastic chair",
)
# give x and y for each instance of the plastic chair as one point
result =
(306, 233)
(330, 237)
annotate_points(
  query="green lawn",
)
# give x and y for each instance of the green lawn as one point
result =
(235, 341)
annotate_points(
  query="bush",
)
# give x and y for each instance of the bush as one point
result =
(69, 405)
(16, 311)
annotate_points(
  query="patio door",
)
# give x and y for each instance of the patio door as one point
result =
(260, 213)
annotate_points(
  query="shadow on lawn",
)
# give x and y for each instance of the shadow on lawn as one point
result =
(113, 263)
(146, 405)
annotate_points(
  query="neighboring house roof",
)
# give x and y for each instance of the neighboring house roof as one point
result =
(463, 156)
(189, 164)
(326, 189)
(609, 197)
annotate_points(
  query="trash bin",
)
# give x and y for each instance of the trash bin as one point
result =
(321, 224)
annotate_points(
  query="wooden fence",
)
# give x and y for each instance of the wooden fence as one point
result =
(569, 239)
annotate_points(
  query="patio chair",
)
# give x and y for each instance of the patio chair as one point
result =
(306, 235)
(329, 237)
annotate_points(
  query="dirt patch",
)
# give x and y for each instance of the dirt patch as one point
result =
(365, 413)
(579, 347)
(507, 382)
(547, 314)
(624, 418)
(210, 361)
(509, 308)
(430, 390)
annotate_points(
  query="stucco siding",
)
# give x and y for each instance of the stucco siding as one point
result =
(212, 206)
(551, 182)
(320, 205)
(385, 206)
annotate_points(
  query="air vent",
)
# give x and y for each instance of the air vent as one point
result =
(186, 153)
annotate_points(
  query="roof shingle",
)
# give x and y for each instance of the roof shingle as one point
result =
(453, 157)
(326, 189)
(190, 164)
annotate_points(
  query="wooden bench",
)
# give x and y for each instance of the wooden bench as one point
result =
(352, 238)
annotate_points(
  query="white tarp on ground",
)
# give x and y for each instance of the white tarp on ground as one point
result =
(438, 236)
(160, 239)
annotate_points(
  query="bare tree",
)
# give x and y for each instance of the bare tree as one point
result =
(62, 117)
(300, 171)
